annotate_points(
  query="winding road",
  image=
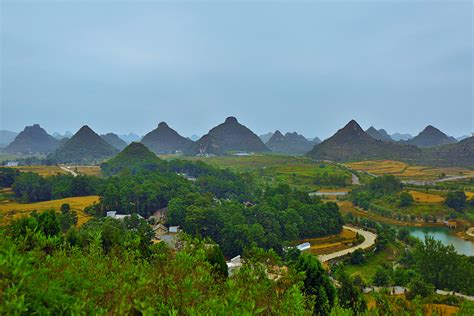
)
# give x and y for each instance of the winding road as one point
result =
(369, 241)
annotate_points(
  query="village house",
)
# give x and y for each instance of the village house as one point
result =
(113, 214)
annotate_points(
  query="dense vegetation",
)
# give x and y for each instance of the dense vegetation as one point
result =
(111, 266)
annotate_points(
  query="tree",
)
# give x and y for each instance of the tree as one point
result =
(349, 295)
(456, 200)
(316, 283)
(381, 277)
(358, 257)
(418, 287)
(406, 199)
(31, 187)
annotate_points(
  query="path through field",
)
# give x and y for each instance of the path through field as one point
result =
(355, 179)
(369, 240)
(69, 170)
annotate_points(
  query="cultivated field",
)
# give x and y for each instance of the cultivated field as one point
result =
(423, 197)
(42, 170)
(408, 172)
(10, 210)
(330, 244)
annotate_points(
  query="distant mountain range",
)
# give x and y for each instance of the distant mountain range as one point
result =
(380, 134)
(228, 136)
(165, 140)
(431, 137)
(114, 140)
(352, 143)
(266, 137)
(60, 136)
(33, 139)
(6, 137)
(290, 143)
(130, 137)
(85, 146)
(398, 137)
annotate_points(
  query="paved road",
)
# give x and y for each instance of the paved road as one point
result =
(69, 170)
(369, 240)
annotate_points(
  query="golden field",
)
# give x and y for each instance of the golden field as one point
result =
(423, 197)
(405, 171)
(42, 170)
(10, 210)
(332, 243)
(88, 170)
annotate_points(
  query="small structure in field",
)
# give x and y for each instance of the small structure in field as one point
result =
(234, 264)
(303, 246)
(173, 229)
(12, 164)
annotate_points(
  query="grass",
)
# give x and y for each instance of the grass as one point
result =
(329, 244)
(408, 172)
(10, 210)
(88, 170)
(367, 270)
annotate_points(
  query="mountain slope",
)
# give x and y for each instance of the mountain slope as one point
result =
(290, 143)
(114, 140)
(165, 140)
(133, 158)
(33, 139)
(84, 147)
(228, 136)
(430, 137)
(352, 143)
(455, 154)
(6, 137)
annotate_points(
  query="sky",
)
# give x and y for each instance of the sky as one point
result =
(298, 66)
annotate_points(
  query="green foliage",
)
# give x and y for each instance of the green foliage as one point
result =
(31, 187)
(358, 257)
(381, 277)
(349, 295)
(385, 184)
(316, 284)
(441, 266)
(418, 287)
(7, 177)
(406, 199)
(456, 200)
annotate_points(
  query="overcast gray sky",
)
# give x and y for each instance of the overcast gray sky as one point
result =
(293, 66)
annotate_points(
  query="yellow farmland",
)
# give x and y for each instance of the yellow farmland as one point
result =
(406, 171)
(42, 170)
(10, 210)
(423, 197)
(332, 243)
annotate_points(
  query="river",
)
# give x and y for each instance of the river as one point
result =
(446, 237)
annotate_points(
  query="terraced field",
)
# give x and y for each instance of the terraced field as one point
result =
(10, 210)
(408, 172)
(333, 243)
(423, 197)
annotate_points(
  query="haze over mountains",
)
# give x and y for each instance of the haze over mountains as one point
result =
(6, 137)
(290, 143)
(114, 140)
(431, 146)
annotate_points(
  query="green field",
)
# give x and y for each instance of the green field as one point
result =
(299, 172)
(368, 269)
